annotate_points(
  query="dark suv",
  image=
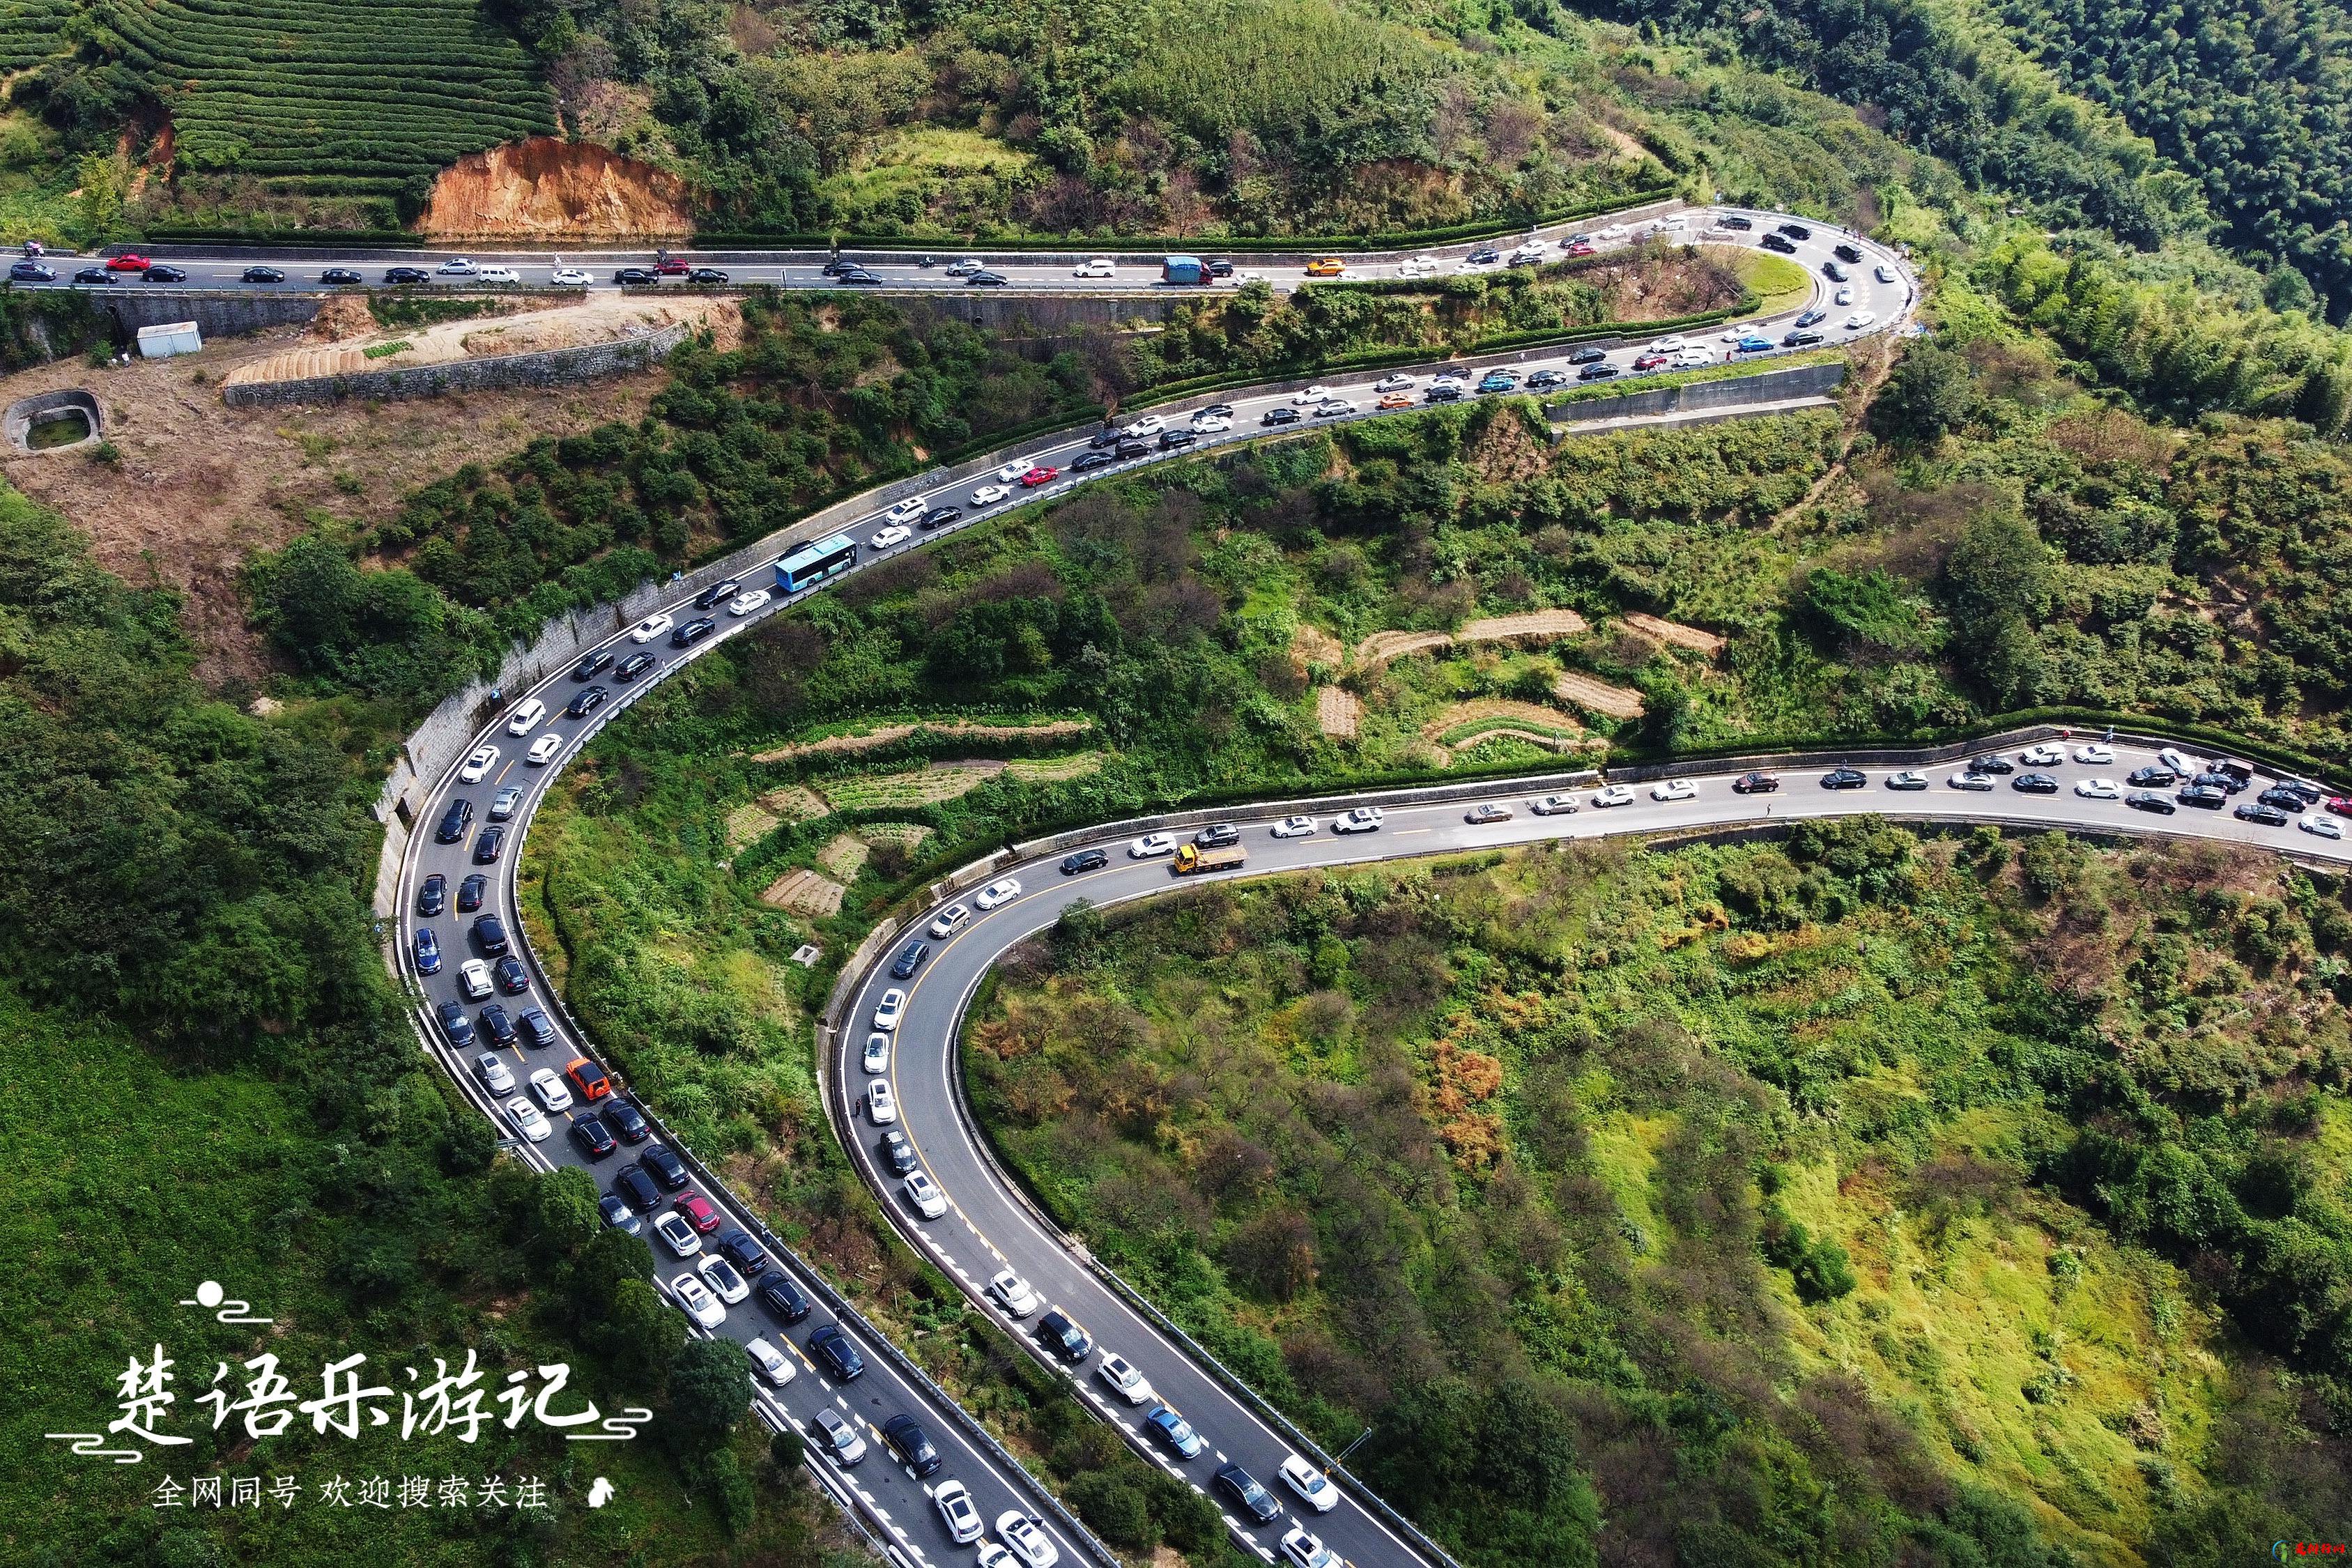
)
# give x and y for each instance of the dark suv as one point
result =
(737, 1247)
(1060, 1333)
(664, 1167)
(911, 1444)
(780, 1296)
(1217, 835)
(834, 1353)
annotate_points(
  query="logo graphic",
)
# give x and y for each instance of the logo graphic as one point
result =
(600, 1493)
(209, 1296)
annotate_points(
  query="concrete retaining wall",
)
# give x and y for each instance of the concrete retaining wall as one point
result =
(217, 314)
(1770, 387)
(552, 367)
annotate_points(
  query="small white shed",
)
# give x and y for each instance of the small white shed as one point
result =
(165, 338)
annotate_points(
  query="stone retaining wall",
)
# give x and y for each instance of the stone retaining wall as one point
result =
(1771, 387)
(550, 367)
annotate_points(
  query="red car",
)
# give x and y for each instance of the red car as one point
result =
(672, 267)
(2340, 804)
(1039, 476)
(588, 1080)
(1581, 247)
(698, 1212)
(129, 261)
(1649, 361)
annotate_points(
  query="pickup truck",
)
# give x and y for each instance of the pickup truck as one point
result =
(1191, 857)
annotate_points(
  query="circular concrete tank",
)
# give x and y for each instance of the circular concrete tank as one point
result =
(46, 422)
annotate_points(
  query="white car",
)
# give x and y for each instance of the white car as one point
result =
(528, 1121)
(1301, 1549)
(1099, 267)
(906, 509)
(888, 538)
(700, 1304)
(1907, 780)
(1003, 891)
(2321, 826)
(881, 1105)
(550, 1091)
(2098, 753)
(542, 751)
(1554, 805)
(1530, 251)
(1860, 319)
(989, 495)
(1975, 783)
(1884, 273)
(1694, 359)
(1013, 470)
(1013, 1293)
(1364, 820)
(773, 1365)
(2042, 756)
(2172, 758)
(1293, 828)
(526, 716)
(1149, 424)
(1673, 789)
(889, 1010)
(1152, 844)
(1614, 795)
(498, 275)
(1313, 1487)
(960, 1515)
(2099, 789)
(656, 625)
(950, 919)
(456, 266)
(1132, 1384)
(1843, 296)
(878, 1054)
(569, 278)
(1312, 394)
(1392, 383)
(1675, 344)
(1251, 276)
(474, 979)
(1025, 1541)
(477, 767)
(925, 1195)
(751, 599)
(1210, 424)
(677, 1233)
(493, 1073)
(725, 1283)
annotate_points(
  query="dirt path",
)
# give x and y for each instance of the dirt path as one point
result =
(888, 734)
(1860, 392)
(604, 318)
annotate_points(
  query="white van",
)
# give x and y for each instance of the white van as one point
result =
(526, 716)
(771, 1362)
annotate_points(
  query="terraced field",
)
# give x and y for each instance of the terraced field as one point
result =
(31, 31)
(323, 97)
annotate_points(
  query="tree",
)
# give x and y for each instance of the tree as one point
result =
(709, 1390)
(1112, 1507)
(641, 1332)
(1932, 391)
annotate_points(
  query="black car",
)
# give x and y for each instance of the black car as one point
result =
(984, 278)
(1546, 378)
(1106, 436)
(1812, 317)
(456, 1024)
(490, 933)
(1171, 439)
(539, 1031)
(1733, 220)
(31, 272)
(617, 1212)
(2227, 783)
(635, 277)
(1991, 764)
(1221, 269)
(498, 1025)
(471, 891)
(833, 1351)
(341, 275)
(1247, 1494)
(736, 1246)
(693, 632)
(1835, 271)
(908, 1442)
(1845, 252)
(858, 278)
(636, 664)
(407, 275)
(2034, 783)
(897, 1152)
(1058, 1332)
(1217, 835)
(592, 665)
(940, 516)
(1843, 778)
(664, 1167)
(1484, 256)
(1129, 450)
(626, 1122)
(910, 959)
(2302, 790)
(1443, 392)
(1087, 462)
(455, 821)
(1281, 414)
(512, 977)
(1222, 410)
(486, 845)
(2286, 799)
(637, 1189)
(1781, 243)
(595, 1140)
(1601, 371)
(837, 267)
(1800, 339)
(432, 895)
(1588, 356)
(1796, 231)
(159, 273)
(1755, 784)
(2144, 801)
(780, 1296)
(2256, 811)
(264, 274)
(2153, 777)
(706, 274)
(1084, 860)
(583, 703)
(93, 275)
(2205, 797)
(715, 592)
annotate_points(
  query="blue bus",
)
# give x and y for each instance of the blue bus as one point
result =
(815, 563)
